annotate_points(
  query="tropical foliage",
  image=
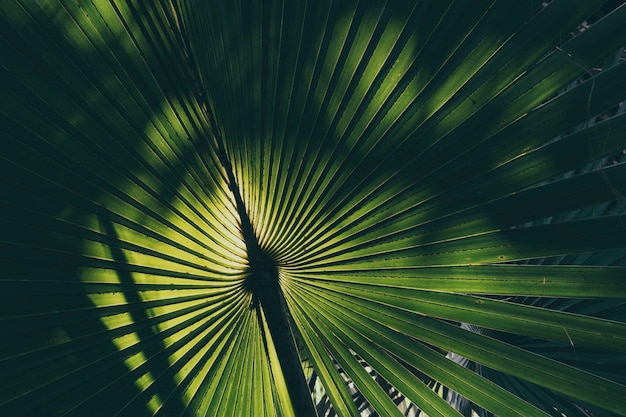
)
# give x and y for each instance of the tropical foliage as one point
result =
(291, 208)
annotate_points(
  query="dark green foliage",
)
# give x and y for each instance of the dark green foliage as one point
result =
(399, 207)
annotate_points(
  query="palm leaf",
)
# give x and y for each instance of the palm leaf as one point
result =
(390, 208)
